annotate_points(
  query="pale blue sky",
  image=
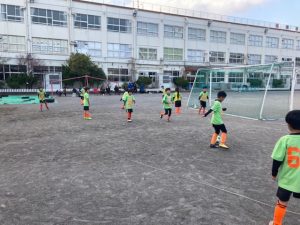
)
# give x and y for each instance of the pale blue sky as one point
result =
(278, 11)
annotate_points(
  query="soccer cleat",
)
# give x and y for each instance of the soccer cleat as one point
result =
(271, 223)
(88, 118)
(213, 146)
(129, 120)
(223, 146)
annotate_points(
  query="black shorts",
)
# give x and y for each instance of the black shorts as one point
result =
(130, 110)
(42, 101)
(86, 108)
(178, 103)
(168, 112)
(285, 195)
(203, 104)
(219, 128)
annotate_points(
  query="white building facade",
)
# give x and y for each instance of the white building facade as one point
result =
(127, 42)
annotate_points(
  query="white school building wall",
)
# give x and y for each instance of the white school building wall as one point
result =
(128, 42)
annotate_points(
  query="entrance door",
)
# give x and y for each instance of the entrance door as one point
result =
(53, 82)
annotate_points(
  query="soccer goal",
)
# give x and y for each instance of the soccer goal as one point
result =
(263, 92)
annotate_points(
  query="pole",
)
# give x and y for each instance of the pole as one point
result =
(210, 87)
(265, 95)
(187, 105)
(293, 87)
(86, 80)
(52, 89)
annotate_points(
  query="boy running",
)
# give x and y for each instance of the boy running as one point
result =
(167, 102)
(286, 166)
(217, 121)
(42, 96)
(86, 104)
(129, 102)
(203, 98)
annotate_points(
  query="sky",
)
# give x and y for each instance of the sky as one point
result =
(279, 11)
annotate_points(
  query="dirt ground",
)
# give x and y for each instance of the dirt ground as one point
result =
(57, 169)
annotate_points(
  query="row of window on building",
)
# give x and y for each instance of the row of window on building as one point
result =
(115, 50)
(84, 21)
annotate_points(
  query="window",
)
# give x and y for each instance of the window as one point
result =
(236, 58)
(7, 70)
(272, 42)
(254, 59)
(217, 36)
(118, 25)
(237, 39)
(173, 31)
(196, 34)
(119, 50)
(91, 48)
(217, 57)
(118, 74)
(11, 13)
(147, 29)
(48, 17)
(287, 43)
(298, 45)
(148, 53)
(297, 61)
(196, 55)
(287, 59)
(83, 21)
(49, 46)
(9, 43)
(255, 40)
(235, 77)
(217, 77)
(171, 54)
(269, 59)
(169, 74)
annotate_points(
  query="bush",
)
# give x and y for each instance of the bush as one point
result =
(144, 81)
(181, 82)
(277, 83)
(125, 86)
(255, 82)
(2, 84)
(21, 80)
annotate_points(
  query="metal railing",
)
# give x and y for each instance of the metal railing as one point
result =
(197, 14)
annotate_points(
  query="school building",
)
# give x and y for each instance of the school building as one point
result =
(135, 40)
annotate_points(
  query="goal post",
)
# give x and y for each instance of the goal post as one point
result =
(263, 92)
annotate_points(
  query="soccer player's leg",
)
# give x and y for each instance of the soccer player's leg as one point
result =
(215, 136)
(169, 114)
(281, 205)
(46, 105)
(129, 115)
(41, 105)
(223, 137)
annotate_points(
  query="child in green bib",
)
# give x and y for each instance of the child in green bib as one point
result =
(286, 166)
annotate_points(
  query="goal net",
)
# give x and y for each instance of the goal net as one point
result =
(256, 91)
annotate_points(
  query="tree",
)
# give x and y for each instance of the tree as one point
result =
(181, 82)
(29, 62)
(79, 65)
(144, 81)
